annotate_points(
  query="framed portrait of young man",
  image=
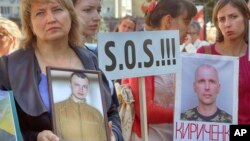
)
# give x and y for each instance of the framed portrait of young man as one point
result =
(9, 125)
(77, 104)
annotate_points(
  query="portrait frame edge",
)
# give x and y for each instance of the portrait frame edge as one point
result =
(15, 119)
(49, 70)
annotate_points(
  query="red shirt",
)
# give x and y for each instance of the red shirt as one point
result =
(244, 86)
(155, 113)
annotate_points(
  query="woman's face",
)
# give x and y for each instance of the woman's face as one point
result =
(89, 14)
(193, 34)
(230, 22)
(126, 25)
(180, 23)
(6, 41)
(50, 21)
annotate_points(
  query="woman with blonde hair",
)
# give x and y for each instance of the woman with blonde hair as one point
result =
(52, 37)
(10, 36)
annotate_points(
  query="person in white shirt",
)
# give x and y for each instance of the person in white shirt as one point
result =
(193, 41)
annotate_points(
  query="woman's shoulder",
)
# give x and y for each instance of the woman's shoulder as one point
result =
(207, 49)
(85, 51)
(21, 53)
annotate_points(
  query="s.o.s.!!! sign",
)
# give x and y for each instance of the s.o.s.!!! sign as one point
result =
(135, 54)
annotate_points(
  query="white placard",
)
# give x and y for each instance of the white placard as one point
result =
(136, 54)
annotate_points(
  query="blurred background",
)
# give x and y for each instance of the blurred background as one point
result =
(113, 10)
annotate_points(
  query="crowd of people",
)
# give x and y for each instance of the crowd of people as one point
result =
(54, 33)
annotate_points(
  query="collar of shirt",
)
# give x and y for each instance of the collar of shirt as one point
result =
(77, 100)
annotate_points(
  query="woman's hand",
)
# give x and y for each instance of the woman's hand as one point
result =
(112, 136)
(188, 40)
(47, 135)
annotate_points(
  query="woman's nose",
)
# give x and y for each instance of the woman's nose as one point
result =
(50, 17)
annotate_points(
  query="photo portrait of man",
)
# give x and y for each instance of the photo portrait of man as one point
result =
(7, 129)
(207, 87)
(75, 118)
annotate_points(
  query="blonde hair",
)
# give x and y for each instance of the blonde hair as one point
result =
(11, 29)
(29, 39)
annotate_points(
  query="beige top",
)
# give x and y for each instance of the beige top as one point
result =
(79, 122)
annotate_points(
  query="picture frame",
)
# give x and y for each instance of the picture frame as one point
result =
(206, 80)
(9, 124)
(77, 104)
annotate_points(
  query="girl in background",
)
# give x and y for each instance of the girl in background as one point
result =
(230, 18)
(126, 24)
(160, 90)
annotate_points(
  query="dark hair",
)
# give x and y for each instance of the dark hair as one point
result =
(172, 7)
(78, 74)
(124, 18)
(241, 5)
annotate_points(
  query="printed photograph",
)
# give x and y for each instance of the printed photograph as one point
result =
(208, 100)
(9, 125)
(208, 89)
(77, 105)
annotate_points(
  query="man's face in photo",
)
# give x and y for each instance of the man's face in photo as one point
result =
(206, 85)
(79, 87)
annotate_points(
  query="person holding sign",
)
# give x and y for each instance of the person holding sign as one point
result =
(51, 38)
(160, 90)
(207, 87)
(231, 17)
(75, 118)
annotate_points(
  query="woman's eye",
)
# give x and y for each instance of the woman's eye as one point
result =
(58, 10)
(86, 10)
(39, 13)
(221, 20)
(233, 16)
